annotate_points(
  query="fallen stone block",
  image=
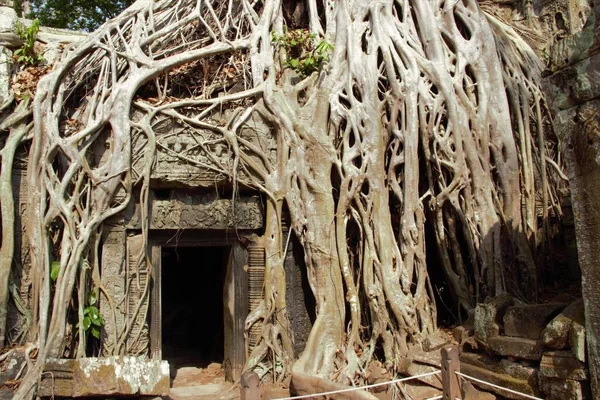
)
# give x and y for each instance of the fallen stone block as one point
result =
(110, 376)
(57, 378)
(502, 366)
(410, 368)
(564, 389)
(528, 321)
(556, 333)
(489, 315)
(563, 365)
(435, 341)
(526, 349)
(376, 372)
(433, 358)
(417, 391)
(577, 340)
(120, 376)
(506, 381)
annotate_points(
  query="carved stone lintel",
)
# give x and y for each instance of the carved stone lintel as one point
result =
(201, 211)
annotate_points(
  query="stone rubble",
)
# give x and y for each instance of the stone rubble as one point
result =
(530, 320)
(556, 333)
(534, 349)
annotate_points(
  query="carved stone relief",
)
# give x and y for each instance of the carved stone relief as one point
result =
(126, 279)
(202, 157)
(185, 210)
(20, 283)
(113, 280)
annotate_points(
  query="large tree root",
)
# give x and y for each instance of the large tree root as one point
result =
(406, 120)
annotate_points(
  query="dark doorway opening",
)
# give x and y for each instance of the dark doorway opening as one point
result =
(192, 305)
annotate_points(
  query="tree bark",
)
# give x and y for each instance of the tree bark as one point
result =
(583, 164)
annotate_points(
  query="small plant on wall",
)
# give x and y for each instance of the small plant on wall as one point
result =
(27, 55)
(92, 320)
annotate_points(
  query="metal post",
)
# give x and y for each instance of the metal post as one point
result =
(249, 386)
(450, 365)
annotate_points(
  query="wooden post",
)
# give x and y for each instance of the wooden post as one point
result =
(450, 365)
(249, 389)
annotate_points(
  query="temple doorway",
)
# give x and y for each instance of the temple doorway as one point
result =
(192, 283)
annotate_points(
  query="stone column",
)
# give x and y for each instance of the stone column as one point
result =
(583, 159)
(574, 94)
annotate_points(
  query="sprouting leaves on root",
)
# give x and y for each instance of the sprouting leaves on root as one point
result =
(92, 320)
(303, 55)
(54, 270)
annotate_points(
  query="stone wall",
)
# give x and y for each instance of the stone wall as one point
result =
(573, 91)
(534, 349)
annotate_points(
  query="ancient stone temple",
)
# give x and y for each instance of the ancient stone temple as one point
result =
(163, 221)
(205, 268)
(180, 298)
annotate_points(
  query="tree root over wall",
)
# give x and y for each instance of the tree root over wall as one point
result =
(424, 110)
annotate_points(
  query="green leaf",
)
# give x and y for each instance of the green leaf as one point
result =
(95, 332)
(294, 62)
(86, 323)
(92, 298)
(309, 66)
(94, 313)
(55, 266)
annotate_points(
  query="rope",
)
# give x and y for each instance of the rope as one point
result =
(436, 397)
(497, 387)
(307, 396)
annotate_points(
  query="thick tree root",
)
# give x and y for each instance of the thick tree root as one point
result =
(423, 112)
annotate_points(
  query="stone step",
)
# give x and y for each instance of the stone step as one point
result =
(526, 349)
(520, 385)
(503, 366)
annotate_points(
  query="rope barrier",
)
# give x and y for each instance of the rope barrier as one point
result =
(307, 396)
(496, 386)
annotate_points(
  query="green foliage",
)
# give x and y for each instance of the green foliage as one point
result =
(54, 270)
(303, 56)
(92, 320)
(26, 54)
(82, 15)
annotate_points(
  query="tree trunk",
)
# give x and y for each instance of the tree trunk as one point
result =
(380, 114)
(583, 163)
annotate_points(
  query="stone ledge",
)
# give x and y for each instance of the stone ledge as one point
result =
(563, 365)
(506, 381)
(526, 349)
(110, 376)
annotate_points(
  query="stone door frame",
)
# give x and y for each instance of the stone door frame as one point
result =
(236, 280)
